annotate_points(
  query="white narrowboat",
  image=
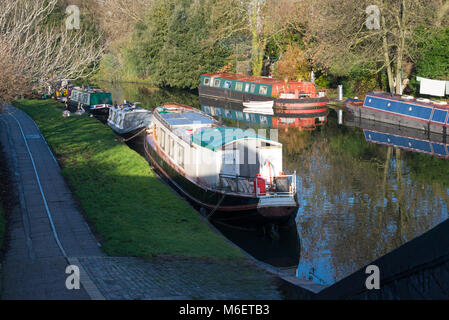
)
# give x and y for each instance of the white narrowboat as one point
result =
(231, 173)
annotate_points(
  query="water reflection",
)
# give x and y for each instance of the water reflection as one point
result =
(361, 195)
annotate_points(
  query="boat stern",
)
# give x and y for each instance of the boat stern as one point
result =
(277, 206)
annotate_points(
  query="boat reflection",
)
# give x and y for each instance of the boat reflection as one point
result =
(407, 139)
(232, 111)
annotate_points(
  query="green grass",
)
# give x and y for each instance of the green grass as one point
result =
(132, 211)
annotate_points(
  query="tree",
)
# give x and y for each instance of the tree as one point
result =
(378, 35)
(293, 64)
(173, 45)
(34, 52)
(433, 54)
(260, 22)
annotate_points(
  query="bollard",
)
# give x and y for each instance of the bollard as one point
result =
(340, 92)
(340, 116)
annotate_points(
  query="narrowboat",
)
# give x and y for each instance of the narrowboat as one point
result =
(92, 100)
(230, 173)
(407, 139)
(128, 119)
(287, 96)
(405, 111)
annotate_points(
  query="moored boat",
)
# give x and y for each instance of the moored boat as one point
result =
(259, 104)
(233, 174)
(406, 111)
(286, 95)
(92, 100)
(127, 119)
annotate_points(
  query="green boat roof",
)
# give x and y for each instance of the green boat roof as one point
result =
(215, 138)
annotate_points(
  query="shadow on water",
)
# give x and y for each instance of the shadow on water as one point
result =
(359, 198)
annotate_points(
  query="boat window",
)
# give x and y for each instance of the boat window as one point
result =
(228, 84)
(217, 83)
(206, 81)
(163, 139)
(181, 155)
(263, 90)
(253, 88)
(120, 120)
(171, 147)
(239, 86)
(247, 87)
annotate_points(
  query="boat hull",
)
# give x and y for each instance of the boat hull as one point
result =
(360, 111)
(223, 207)
(412, 113)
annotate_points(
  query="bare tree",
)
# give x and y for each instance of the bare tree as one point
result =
(376, 34)
(34, 54)
(117, 18)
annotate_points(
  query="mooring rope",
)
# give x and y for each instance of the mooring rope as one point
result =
(216, 207)
(126, 140)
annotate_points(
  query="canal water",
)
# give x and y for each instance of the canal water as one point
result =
(361, 196)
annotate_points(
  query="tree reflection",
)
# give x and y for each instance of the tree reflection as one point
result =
(358, 200)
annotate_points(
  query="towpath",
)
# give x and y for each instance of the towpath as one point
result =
(47, 233)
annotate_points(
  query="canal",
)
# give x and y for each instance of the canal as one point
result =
(361, 196)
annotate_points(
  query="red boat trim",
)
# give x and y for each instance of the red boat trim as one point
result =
(299, 111)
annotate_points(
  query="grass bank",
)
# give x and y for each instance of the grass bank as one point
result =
(131, 210)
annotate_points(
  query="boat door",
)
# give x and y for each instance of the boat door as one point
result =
(227, 87)
(230, 162)
(249, 162)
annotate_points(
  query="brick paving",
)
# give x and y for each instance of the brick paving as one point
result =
(161, 278)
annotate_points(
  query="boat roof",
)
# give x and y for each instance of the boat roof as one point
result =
(184, 118)
(203, 130)
(216, 138)
(131, 109)
(408, 99)
(242, 77)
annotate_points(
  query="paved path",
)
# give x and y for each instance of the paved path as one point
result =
(161, 278)
(35, 263)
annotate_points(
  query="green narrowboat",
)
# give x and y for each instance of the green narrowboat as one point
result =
(91, 99)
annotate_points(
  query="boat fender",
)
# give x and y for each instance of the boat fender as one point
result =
(259, 185)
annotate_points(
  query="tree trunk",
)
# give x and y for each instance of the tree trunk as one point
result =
(387, 57)
(400, 50)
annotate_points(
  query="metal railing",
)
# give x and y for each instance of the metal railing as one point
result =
(284, 185)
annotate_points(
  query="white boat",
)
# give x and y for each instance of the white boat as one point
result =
(258, 111)
(259, 104)
(231, 173)
(128, 118)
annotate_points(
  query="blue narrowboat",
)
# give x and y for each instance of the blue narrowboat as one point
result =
(405, 111)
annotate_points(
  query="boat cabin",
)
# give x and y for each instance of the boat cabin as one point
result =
(128, 117)
(213, 155)
(91, 98)
(260, 86)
